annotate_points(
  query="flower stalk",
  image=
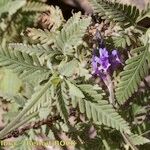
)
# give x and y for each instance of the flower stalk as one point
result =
(108, 82)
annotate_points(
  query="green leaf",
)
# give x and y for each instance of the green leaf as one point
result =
(125, 15)
(138, 139)
(44, 112)
(84, 72)
(92, 90)
(74, 90)
(25, 65)
(62, 101)
(124, 40)
(44, 36)
(72, 33)
(99, 110)
(35, 7)
(54, 18)
(145, 14)
(135, 70)
(29, 105)
(44, 100)
(11, 6)
(68, 69)
(39, 50)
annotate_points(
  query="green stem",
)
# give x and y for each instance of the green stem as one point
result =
(128, 141)
(106, 144)
(28, 118)
(147, 132)
(109, 84)
(8, 128)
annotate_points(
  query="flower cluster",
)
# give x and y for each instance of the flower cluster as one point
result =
(102, 63)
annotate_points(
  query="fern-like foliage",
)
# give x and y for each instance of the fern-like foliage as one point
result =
(52, 18)
(62, 101)
(11, 6)
(145, 13)
(136, 69)
(125, 40)
(72, 33)
(38, 50)
(68, 69)
(95, 108)
(21, 63)
(44, 100)
(54, 62)
(122, 41)
(138, 140)
(123, 14)
(36, 97)
(35, 7)
(43, 36)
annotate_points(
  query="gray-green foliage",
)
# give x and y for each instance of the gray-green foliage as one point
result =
(138, 140)
(71, 35)
(123, 14)
(10, 6)
(23, 64)
(35, 7)
(54, 64)
(136, 69)
(98, 109)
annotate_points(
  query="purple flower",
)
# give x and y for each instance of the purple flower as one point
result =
(95, 61)
(115, 59)
(102, 63)
(103, 59)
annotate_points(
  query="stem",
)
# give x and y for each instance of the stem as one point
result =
(147, 132)
(28, 118)
(109, 85)
(106, 144)
(128, 141)
(8, 128)
(33, 125)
